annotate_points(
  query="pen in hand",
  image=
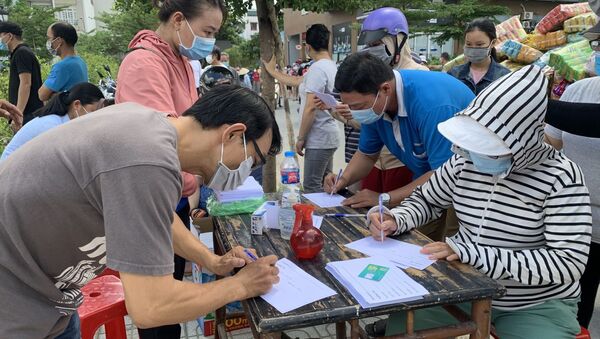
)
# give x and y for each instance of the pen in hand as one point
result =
(250, 255)
(335, 183)
(381, 216)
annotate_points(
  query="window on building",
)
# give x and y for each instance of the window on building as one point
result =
(254, 26)
(68, 15)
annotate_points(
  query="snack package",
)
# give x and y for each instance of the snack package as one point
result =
(580, 23)
(510, 29)
(559, 14)
(543, 60)
(519, 52)
(575, 37)
(459, 60)
(511, 65)
(569, 61)
(544, 42)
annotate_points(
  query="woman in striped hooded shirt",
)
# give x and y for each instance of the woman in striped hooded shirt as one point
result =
(523, 209)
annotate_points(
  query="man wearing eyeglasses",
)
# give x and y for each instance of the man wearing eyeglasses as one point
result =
(100, 192)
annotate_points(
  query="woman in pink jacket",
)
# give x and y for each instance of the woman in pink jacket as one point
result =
(156, 73)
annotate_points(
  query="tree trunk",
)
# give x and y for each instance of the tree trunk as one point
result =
(270, 42)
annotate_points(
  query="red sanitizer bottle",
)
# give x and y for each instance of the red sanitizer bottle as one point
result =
(306, 239)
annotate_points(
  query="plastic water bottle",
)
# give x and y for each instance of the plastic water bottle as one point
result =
(290, 179)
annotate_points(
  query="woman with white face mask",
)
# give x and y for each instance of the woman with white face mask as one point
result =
(82, 99)
(482, 67)
(156, 73)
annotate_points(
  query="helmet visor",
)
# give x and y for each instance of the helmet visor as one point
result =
(367, 37)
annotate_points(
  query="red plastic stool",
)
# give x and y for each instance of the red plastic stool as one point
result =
(103, 304)
(584, 334)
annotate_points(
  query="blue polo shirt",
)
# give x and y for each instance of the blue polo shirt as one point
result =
(67, 73)
(424, 100)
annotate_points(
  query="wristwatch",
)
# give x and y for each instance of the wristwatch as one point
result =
(385, 198)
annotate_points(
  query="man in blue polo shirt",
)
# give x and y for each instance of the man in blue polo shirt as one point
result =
(68, 72)
(401, 110)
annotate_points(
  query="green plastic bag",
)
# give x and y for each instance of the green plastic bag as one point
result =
(217, 209)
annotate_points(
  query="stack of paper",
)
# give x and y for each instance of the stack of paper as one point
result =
(250, 189)
(325, 200)
(296, 288)
(401, 253)
(375, 282)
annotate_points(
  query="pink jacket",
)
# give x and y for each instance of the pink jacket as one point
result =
(158, 78)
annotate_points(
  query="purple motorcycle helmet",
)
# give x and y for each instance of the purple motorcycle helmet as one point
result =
(381, 22)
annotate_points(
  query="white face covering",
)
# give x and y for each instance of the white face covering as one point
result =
(226, 179)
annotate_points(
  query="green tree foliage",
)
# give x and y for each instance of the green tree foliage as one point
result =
(455, 17)
(245, 54)
(120, 27)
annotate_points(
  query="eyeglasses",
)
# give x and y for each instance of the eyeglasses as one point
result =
(260, 155)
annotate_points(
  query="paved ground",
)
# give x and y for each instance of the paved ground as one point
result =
(191, 329)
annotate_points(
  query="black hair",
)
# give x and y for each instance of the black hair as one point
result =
(65, 31)
(216, 53)
(12, 28)
(317, 36)
(59, 104)
(362, 73)
(486, 26)
(189, 8)
(445, 55)
(231, 104)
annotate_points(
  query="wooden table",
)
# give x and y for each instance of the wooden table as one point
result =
(447, 283)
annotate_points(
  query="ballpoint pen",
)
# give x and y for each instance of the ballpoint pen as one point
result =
(381, 216)
(250, 255)
(336, 182)
(344, 215)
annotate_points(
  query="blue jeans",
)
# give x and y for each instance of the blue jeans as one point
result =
(317, 163)
(73, 330)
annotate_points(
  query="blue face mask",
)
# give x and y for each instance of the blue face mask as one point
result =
(3, 46)
(201, 47)
(368, 116)
(485, 163)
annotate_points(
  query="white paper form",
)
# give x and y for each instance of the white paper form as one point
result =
(327, 99)
(317, 221)
(400, 253)
(296, 288)
(396, 286)
(325, 200)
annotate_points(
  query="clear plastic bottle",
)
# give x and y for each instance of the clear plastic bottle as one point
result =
(290, 180)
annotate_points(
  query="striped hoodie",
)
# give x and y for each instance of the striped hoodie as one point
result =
(530, 229)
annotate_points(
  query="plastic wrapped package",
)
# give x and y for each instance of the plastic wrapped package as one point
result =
(216, 208)
(520, 53)
(580, 23)
(575, 37)
(459, 60)
(511, 65)
(546, 42)
(559, 14)
(569, 61)
(543, 60)
(510, 29)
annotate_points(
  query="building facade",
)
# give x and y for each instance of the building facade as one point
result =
(82, 14)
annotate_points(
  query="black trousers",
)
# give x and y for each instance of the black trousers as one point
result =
(170, 331)
(589, 286)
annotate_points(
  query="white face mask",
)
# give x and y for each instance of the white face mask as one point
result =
(226, 179)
